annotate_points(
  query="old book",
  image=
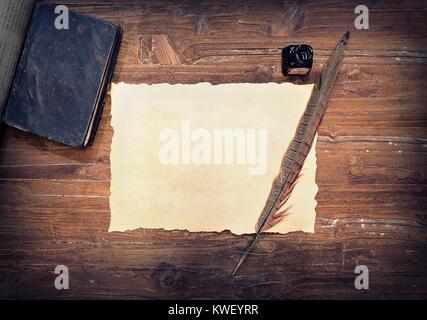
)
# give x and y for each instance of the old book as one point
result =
(62, 76)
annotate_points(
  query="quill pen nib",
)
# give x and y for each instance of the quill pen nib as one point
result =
(236, 267)
(247, 250)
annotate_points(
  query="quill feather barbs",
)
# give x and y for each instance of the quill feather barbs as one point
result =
(281, 211)
(297, 151)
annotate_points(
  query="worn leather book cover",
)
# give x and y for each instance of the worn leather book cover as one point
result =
(60, 83)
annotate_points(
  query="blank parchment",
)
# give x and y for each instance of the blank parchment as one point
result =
(198, 188)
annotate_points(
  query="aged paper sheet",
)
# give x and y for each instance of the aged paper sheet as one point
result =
(203, 157)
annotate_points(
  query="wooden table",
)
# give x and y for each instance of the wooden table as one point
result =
(372, 162)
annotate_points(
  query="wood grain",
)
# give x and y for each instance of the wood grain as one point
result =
(372, 162)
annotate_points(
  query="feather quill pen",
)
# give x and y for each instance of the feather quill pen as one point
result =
(298, 149)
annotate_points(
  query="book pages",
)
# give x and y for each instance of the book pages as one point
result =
(203, 157)
(14, 18)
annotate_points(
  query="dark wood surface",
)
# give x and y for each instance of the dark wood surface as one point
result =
(372, 163)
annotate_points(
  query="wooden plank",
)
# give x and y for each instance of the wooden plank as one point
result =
(371, 157)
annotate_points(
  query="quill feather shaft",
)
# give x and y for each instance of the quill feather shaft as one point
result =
(299, 148)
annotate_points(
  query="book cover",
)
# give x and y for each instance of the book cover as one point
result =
(62, 76)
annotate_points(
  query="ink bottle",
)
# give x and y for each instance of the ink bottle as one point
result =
(297, 60)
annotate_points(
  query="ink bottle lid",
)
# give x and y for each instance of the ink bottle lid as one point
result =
(297, 60)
